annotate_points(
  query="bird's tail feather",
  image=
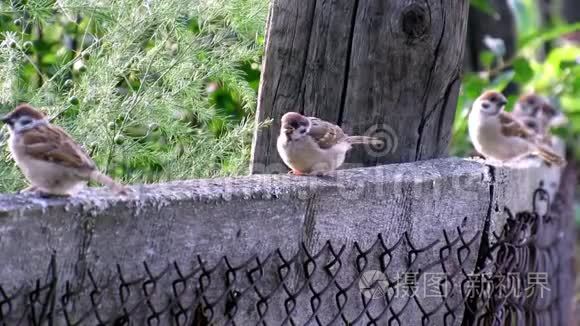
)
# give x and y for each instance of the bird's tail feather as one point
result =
(107, 181)
(364, 140)
(549, 156)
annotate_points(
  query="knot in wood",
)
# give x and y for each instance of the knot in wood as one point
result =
(415, 21)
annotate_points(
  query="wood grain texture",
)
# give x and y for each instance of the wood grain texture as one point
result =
(251, 217)
(384, 68)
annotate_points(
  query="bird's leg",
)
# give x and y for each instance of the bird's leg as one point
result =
(295, 172)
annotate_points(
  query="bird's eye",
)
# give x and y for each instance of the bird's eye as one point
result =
(302, 131)
(25, 122)
(531, 101)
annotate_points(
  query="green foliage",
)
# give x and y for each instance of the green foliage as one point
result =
(154, 90)
(527, 16)
(482, 5)
(555, 75)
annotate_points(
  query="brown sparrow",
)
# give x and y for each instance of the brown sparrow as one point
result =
(534, 107)
(48, 157)
(310, 146)
(500, 136)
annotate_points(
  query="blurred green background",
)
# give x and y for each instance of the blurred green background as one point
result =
(165, 90)
(541, 54)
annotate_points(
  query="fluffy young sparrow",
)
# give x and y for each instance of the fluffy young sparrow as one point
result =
(539, 115)
(500, 136)
(48, 157)
(310, 146)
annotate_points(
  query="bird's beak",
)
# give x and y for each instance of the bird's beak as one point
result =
(5, 119)
(502, 103)
(288, 130)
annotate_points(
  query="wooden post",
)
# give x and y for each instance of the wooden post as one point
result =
(377, 67)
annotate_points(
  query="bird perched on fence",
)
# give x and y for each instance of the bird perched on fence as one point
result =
(500, 136)
(539, 115)
(48, 157)
(311, 146)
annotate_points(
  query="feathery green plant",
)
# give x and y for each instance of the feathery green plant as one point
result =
(154, 90)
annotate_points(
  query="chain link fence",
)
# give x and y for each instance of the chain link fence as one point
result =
(464, 278)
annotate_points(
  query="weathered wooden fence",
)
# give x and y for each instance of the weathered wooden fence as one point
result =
(268, 249)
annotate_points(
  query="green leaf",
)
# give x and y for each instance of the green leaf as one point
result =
(575, 83)
(527, 15)
(49, 59)
(52, 34)
(486, 58)
(571, 105)
(473, 85)
(502, 80)
(523, 70)
(559, 55)
(483, 6)
(568, 64)
(548, 34)
(512, 99)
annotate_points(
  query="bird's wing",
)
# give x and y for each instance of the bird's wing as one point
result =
(325, 134)
(512, 127)
(51, 143)
(533, 124)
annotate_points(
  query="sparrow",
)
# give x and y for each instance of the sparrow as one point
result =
(311, 146)
(48, 157)
(500, 136)
(539, 115)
